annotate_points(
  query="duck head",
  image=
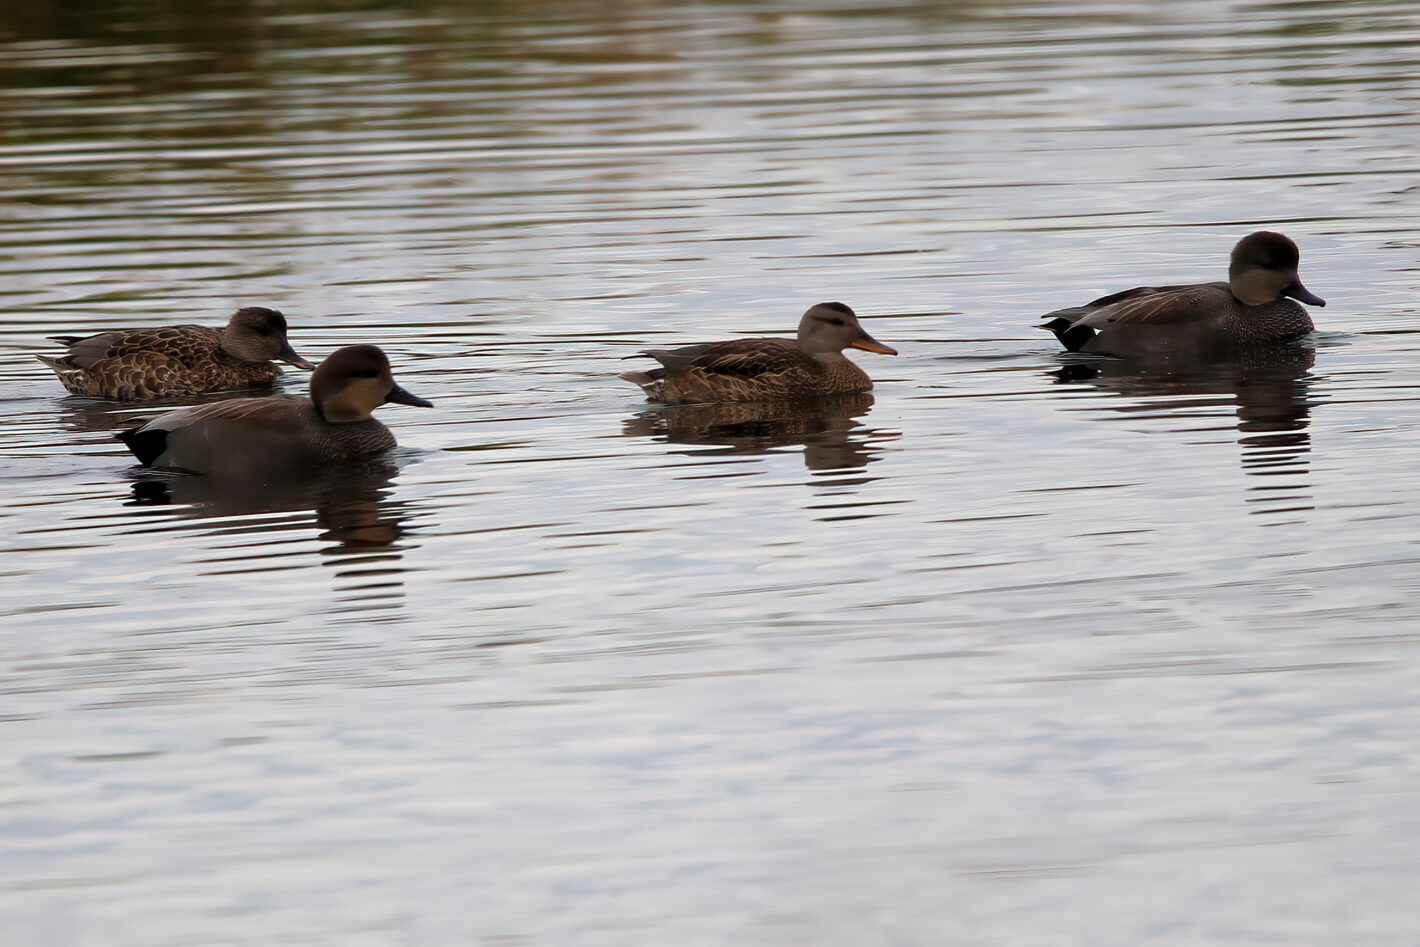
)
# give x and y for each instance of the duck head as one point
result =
(258, 334)
(355, 380)
(1263, 269)
(829, 328)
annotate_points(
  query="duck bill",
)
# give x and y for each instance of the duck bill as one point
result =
(1299, 292)
(289, 356)
(869, 344)
(398, 395)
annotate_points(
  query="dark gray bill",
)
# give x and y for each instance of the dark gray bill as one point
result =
(1299, 292)
(399, 396)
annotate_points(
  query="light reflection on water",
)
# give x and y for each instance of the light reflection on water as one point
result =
(1021, 648)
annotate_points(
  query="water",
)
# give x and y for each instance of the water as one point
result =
(1009, 652)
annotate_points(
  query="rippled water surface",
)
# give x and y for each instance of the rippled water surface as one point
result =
(1017, 650)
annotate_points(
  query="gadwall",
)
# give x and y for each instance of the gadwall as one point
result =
(765, 369)
(1202, 318)
(247, 436)
(138, 364)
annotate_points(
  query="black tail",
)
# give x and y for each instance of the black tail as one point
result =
(1072, 336)
(147, 445)
(66, 339)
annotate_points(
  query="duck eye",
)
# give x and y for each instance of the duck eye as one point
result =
(367, 373)
(837, 322)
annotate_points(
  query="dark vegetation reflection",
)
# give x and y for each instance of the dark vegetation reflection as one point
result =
(827, 428)
(159, 50)
(1269, 389)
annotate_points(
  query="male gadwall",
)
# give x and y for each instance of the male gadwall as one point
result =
(1202, 318)
(249, 436)
(765, 369)
(138, 364)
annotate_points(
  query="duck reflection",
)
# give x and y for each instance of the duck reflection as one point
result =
(351, 506)
(1269, 389)
(95, 415)
(828, 428)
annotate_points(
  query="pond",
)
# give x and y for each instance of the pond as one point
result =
(1019, 649)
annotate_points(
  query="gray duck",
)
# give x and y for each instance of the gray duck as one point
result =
(1251, 308)
(765, 369)
(252, 436)
(140, 364)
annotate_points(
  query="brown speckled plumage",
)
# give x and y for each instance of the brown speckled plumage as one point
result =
(139, 364)
(1200, 318)
(765, 369)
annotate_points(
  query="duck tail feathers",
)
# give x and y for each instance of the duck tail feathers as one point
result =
(1073, 337)
(147, 444)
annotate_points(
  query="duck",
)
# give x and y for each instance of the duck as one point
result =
(142, 364)
(1254, 307)
(767, 369)
(246, 437)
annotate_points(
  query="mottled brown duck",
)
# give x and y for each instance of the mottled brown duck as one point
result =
(1250, 309)
(765, 369)
(245, 437)
(139, 364)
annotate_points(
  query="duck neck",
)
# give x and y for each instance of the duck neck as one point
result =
(1253, 287)
(225, 343)
(234, 346)
(341, 410)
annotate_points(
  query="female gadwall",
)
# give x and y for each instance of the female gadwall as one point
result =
(138, 364)
(765, 369)
(1200, 319)
(249, 436)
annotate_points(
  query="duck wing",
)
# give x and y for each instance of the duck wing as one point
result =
(1152, 305)
(275, 413)
(180, 342)
(185, 439)
(744, 358)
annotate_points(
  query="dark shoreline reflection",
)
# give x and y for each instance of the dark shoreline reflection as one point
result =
(1269, 389)
(352, 507)
(828, 428)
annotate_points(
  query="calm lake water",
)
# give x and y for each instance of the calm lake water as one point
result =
(1014, 651)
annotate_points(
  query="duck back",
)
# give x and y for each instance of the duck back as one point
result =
(1194, 320)
(746, 370)
(252, 436)
(141, 364)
